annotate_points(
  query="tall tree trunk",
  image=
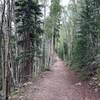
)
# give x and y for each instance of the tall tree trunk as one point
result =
(2, 50)
(8, 51)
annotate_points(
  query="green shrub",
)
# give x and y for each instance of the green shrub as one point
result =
(98, 72)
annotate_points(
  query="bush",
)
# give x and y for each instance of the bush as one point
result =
(98, 72)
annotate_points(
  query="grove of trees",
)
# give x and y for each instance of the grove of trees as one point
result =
(30, 37)
(24, 44)
(80, 41)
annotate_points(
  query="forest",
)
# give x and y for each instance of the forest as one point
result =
(38, 36)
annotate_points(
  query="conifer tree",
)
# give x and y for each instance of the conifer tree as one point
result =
(28, 15)
(85, 38)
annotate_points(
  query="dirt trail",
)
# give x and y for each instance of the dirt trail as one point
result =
(59, 84)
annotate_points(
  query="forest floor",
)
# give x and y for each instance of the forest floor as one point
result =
(59, 84)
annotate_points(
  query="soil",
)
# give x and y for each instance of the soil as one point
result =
(60, 83)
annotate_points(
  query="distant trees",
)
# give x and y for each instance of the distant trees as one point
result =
(53, 22)
(82, 29)
(55, 14)
(85, 49)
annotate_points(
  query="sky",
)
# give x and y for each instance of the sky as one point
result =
(64, 2)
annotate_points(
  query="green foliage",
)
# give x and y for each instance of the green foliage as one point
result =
(48, 27)
(61, 51)
(53, 21)
(28, 22)
(85, 51)
(85, 47)
(98, 73)
(81, 36)
(29, 36)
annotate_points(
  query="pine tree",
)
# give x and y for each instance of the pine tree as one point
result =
(85, 49)
(28, 15)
